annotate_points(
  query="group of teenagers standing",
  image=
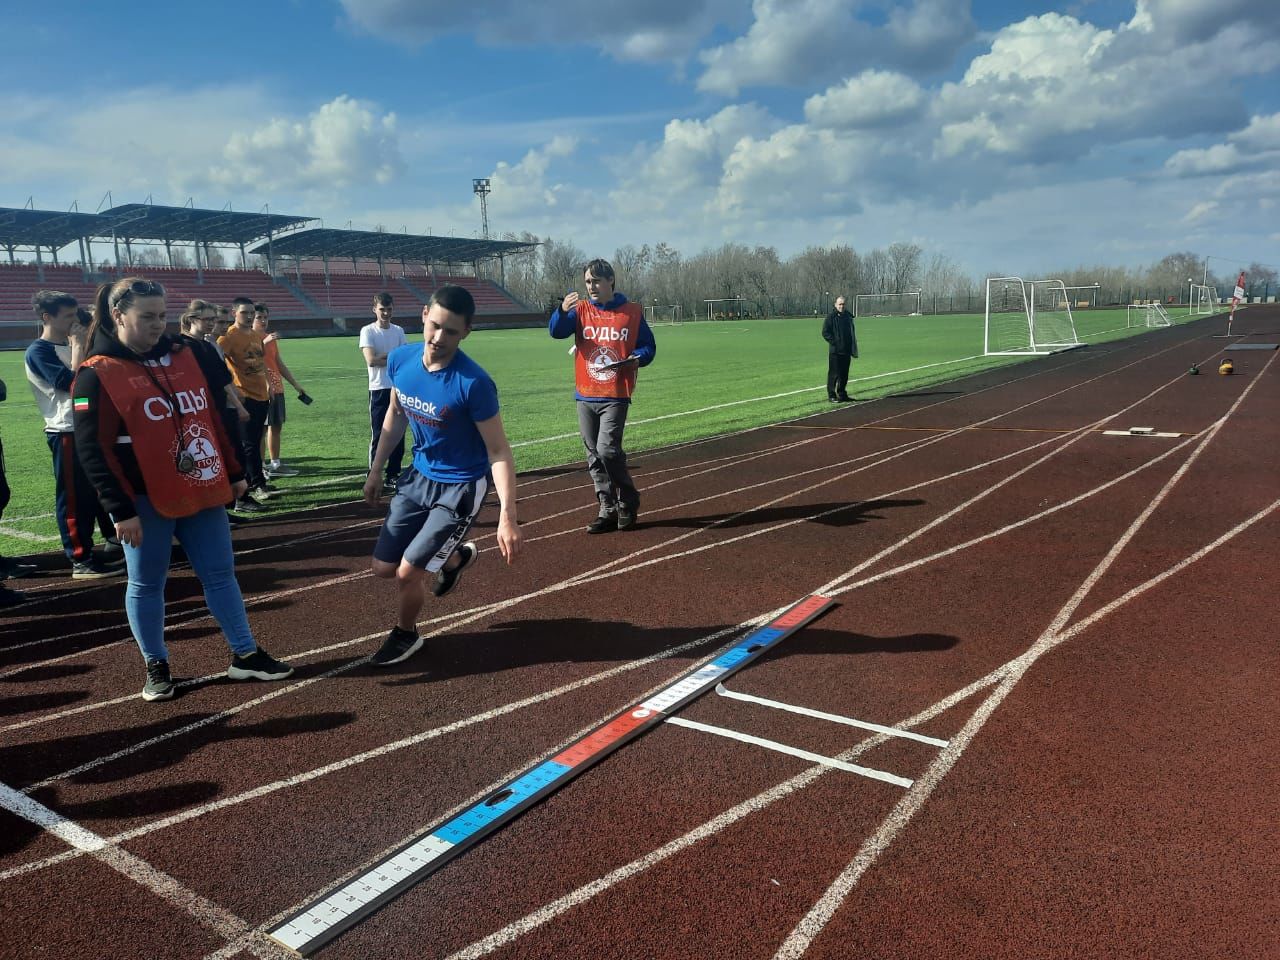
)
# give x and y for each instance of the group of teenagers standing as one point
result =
(164, 432)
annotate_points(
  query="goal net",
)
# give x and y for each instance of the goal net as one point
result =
(726, 308)
(1204, 299)
(656, 314)
(1027, 317)
(886, 305)
(1147, 315)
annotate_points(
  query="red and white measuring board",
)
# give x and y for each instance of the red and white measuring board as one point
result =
(328, 916)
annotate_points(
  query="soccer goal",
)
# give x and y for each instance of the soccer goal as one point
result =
(670, 315)
(726, 308)
(1028, 317)
(887, 304)
(1147, 315)
(1204, 299)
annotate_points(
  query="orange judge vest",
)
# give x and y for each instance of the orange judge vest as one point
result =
(603, 337)
(145, 403)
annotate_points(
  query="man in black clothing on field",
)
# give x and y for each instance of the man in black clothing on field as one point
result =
(842, 346)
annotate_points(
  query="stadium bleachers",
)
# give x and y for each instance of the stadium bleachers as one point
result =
(348, 294)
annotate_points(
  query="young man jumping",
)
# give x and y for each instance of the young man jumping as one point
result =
(450, 405)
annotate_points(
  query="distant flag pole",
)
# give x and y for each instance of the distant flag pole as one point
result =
(1236, 296)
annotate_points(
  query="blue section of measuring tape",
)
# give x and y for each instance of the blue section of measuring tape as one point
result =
(735, 655)
(472, 821)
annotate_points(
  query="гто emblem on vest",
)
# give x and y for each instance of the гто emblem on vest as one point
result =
(199, 446)
(598, 366)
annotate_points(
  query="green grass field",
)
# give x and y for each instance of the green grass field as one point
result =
(708, 378)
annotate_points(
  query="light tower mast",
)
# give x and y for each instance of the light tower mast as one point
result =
(480, 187)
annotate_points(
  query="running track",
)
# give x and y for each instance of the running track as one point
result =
(1087, 621)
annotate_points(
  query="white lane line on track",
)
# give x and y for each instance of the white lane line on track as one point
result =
(738, 403)
(162, 885)
(603, 571)
(791, 751)
(830, 717)
(513, 931)
(813, 923)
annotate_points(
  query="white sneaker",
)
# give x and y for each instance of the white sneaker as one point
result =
(258, 495)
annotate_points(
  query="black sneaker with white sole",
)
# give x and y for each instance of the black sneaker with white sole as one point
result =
(258, 665)
(446, 580)
(159, 684)
(399, 645)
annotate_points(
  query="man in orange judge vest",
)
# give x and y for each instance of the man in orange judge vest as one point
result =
(612, 341)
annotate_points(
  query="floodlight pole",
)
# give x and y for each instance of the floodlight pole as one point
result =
(480, 187)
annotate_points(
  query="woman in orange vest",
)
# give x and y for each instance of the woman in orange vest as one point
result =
(151, 440)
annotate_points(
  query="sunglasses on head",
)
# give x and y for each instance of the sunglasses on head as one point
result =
(138, 288)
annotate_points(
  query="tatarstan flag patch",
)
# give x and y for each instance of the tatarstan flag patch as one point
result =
(81, 403)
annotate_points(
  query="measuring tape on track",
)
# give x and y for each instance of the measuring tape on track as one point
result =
(330, 915)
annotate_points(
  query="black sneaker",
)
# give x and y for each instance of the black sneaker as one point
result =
(11, 598)
(399, 645)
(390, 486)
(845, 398)
(626, 517)
(93, 570)
(605, 523)
(159, 683)
(258, 665)
(446, 580)
(247, 506)
(269, 487)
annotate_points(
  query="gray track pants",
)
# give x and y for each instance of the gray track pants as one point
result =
(601, 424)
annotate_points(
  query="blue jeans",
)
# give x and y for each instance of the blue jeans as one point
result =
(206, 537)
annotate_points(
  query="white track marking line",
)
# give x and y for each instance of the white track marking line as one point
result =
(30, 537)
(187, 901)
(738, 403)
(590, 576)
(812, 924)
(601, 572)
(513, 931)
(776, 747)
(831, 717)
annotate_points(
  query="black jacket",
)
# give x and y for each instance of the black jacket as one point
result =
(838, 332)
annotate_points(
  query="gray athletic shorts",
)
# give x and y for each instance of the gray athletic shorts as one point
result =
(275, 410)
(428, 519)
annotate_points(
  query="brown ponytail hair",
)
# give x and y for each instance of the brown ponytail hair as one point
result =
(120, 294)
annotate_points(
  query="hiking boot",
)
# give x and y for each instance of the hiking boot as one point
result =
(93, 570)
(258, 665)
(446, 580)
(399, 645)
(626, 517)
(159, 683)
(605, 523)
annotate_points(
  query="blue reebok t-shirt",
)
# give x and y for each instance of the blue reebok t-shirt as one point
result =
(443, 409)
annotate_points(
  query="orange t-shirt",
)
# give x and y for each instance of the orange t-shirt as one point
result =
(244, 352)
(271, 354)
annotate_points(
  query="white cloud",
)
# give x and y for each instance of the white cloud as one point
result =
(874, 98)
(1255, 147)
(656, 30)
(522, 189)
(1053, 88)
(342, 143)
(803, 42)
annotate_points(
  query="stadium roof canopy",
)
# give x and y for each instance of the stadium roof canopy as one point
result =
(323, 242)
(150, 222)
(22, 227)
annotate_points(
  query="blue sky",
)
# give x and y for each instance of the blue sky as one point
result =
(1009, 136)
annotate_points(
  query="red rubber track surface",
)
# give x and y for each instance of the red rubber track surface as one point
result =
(1088, 620)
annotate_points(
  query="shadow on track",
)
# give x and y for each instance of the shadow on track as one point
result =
(848, 515)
